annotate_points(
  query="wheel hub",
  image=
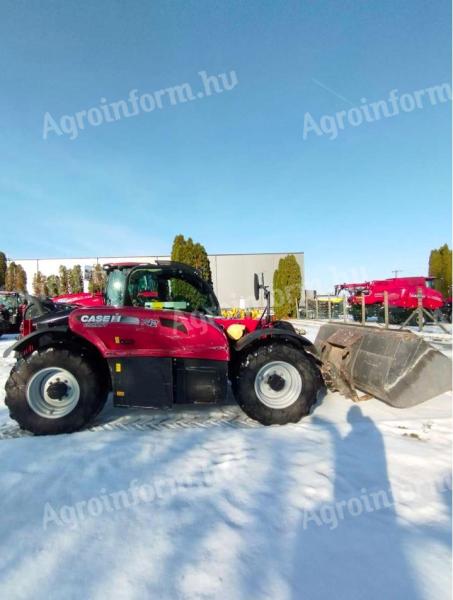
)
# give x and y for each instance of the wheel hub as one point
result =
(53, 392)
(57, 390)
(278, 384)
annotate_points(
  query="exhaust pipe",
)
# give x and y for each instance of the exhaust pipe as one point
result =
(397, 367)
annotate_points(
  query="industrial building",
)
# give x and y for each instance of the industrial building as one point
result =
(232, 274)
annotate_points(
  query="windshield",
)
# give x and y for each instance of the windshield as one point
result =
(114, 293)
(430, 283)
(156, 288)
(170, 289)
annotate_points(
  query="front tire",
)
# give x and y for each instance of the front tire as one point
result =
(54, 391)
(277, 384)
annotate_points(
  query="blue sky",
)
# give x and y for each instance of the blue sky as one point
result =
(231, 170)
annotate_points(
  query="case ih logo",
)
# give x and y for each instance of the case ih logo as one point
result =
(99, 320)
(103, 320)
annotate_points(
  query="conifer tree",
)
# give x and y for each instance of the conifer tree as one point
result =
(20, 280)
(3, 267)
(40, 284)
(64, 280)
(75, 279)
(10, 277)
(287, 282)
(194, 255)
(177, 250)
(440, 267)
(97, 280)
(53, 285)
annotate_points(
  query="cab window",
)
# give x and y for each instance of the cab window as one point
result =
(114, 294)
(167, 289)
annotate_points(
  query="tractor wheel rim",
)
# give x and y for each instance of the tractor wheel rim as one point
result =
(43, 388)
(278, 384)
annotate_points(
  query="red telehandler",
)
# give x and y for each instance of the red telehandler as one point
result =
(158, 340)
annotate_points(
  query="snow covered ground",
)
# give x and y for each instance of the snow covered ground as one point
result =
(352, 502)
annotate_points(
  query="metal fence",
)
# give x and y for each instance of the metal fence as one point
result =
(338, 308)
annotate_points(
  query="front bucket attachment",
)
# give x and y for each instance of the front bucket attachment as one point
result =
(398, 367)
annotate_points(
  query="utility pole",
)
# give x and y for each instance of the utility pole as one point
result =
(396, 271)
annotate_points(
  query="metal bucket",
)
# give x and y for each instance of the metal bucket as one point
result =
(398, 367)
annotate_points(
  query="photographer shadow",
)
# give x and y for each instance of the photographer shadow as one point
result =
(354, 546)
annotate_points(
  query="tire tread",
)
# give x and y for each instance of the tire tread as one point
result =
(91, 402)
(245, 392)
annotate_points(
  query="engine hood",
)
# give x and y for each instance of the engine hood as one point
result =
(56, 318)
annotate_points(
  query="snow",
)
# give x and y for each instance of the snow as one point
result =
(352, 502)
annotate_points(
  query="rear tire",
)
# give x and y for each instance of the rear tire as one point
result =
(277, 384)
(41, 409)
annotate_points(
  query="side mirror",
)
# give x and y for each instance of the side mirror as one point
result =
(256, 286)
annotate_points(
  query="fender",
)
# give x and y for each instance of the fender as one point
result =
(273, 333)
(31, 338)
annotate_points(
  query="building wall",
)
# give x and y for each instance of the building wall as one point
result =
(232, 274)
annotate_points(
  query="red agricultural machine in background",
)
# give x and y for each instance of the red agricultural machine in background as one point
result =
(402, 297)
(80, 299)
(11, 311)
